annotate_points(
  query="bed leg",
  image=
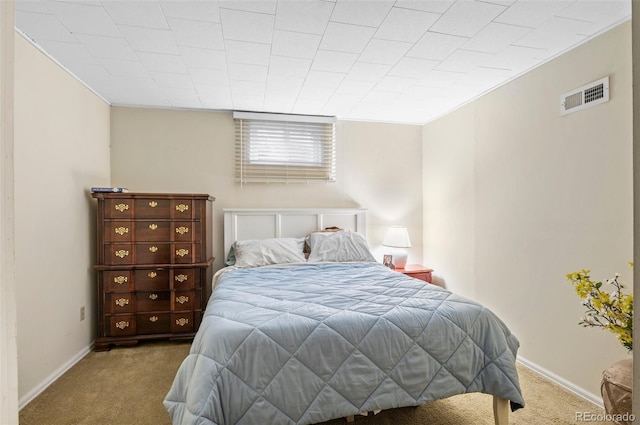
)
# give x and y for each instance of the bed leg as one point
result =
(500, 411)
(350, 418)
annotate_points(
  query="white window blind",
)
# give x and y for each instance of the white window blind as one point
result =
(284, 148)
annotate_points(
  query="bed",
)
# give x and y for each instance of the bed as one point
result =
(289, 338)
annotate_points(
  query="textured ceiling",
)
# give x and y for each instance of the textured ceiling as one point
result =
(393, 61)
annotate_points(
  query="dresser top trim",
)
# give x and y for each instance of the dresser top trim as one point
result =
(133, 195)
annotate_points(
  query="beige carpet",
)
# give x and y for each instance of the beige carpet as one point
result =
(126, 386)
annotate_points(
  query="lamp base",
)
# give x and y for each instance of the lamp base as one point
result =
(399, 259)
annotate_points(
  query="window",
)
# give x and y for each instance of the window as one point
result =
(284, 148)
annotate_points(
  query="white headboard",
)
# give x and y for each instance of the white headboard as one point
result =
(256, 223)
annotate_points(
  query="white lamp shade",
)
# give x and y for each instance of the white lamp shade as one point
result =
(397, 237)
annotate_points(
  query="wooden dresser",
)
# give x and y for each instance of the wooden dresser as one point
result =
(154, 262)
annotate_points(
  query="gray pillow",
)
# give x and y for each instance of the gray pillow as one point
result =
(342, 246)
(264, 252)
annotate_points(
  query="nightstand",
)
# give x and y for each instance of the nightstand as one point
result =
(417, 271)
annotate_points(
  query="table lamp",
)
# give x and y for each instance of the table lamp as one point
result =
(397, 237)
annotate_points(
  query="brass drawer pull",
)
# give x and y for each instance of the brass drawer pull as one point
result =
(153, 204)
(122, 253)
(122, 324)
(153, 226)
(182, 278)
(182, 230)
(152, 274)
(153, 296)
(120, 279)
(182, 321)
(182, 208)
(182, 252)
(182, 299)
(153, 319)
(122, 207)
(122, 230)
(122, 302)
(153, 248)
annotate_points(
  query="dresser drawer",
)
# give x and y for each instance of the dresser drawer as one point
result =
(184, 279)
(121, 208)
(118, 231)
(152, 280)
(152, 208)
(186, 253)
(119, 254)
(182, 322)
(153, 301)
(153, 253)
(153, 323)
(184, 209)
(122, 302)
(152, 230)
(183, 300)
(186, 231)
(121, 325)
(180, 209)
(140, 231)
(117, 280)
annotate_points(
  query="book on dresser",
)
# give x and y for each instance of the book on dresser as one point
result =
(154, 262)
(109, 189)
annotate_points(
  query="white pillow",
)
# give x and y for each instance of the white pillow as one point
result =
(263, 252)
(339, 246)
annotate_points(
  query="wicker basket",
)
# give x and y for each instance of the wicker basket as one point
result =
(616, 391)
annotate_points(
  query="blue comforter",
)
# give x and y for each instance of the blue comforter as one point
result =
(307, 343)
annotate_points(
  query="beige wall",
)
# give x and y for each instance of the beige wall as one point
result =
(8, 314)
(379, 168)
(517, 196)
(61, 150)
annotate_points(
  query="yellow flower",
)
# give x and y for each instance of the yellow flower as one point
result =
(626, 304)
(612, 311)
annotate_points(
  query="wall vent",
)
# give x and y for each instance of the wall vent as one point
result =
(585, 96)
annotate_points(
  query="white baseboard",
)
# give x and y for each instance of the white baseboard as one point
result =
(35, 392)
(589, 396)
